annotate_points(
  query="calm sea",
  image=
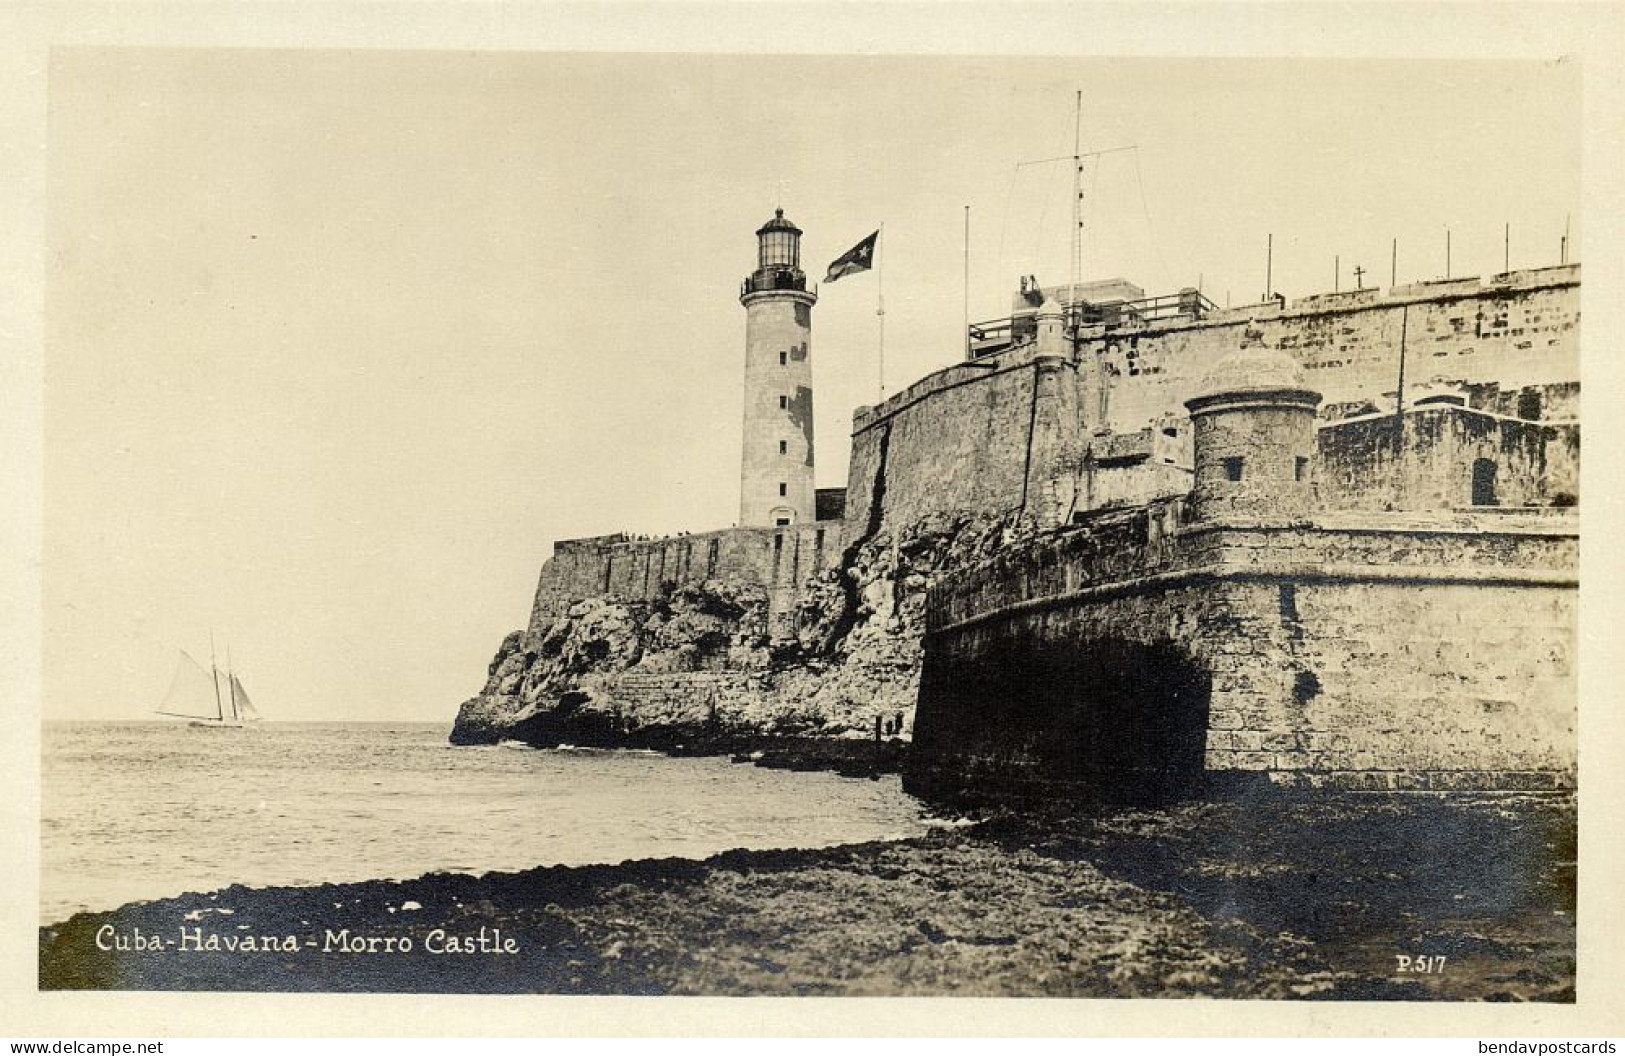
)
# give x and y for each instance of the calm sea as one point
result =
(142, 810)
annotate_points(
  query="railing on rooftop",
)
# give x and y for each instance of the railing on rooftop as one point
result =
(996, 335)
(773, 280)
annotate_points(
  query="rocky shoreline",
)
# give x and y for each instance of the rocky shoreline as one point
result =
(855, 757)
(712, 661)
(1330, 897)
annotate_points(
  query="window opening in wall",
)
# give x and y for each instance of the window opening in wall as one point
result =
(784, 447)
(1300, 468)
(784, 403)
(784, 489)
(784, 358)
(1484, 482)
(1289, 603)
(1232, 467)
(782, 521)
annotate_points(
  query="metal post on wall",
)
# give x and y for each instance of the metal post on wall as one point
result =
(1269, 267)
(1399, 395)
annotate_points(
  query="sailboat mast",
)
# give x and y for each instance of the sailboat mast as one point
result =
(231, 684)
(214, 676)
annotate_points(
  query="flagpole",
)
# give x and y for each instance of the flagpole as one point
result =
(880, 304)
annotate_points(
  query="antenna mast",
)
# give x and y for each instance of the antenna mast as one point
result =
(1077, 213)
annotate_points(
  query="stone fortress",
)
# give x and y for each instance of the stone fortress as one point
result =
(1126, 542)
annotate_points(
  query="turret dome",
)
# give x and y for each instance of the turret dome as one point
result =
(1254, 369)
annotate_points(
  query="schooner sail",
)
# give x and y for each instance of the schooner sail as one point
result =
(240, 702)
(209, 698)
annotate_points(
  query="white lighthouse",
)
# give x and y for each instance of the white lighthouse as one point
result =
(776, 475)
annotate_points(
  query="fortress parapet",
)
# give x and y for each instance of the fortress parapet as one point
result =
(1145, 653)
(778, 559)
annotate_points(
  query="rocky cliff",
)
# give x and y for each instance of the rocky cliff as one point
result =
(703, 664)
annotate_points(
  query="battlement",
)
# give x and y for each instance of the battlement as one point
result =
(619, 566)
(953, 376)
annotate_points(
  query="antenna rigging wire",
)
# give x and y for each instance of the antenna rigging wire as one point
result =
(1145, 210)
(1004, 223)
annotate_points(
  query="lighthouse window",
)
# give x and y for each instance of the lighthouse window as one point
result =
(783, 488)
(779, 247)
(784, 403)
(784, 447)
(1232, 467)
(784, 359)
(1302, 468)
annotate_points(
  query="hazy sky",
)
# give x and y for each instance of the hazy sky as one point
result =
(338, 342)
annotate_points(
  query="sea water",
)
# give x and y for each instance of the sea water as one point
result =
(142, 810)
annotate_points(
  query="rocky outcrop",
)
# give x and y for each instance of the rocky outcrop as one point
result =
(562, 669)
(704, 664)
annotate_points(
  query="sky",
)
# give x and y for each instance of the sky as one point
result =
(338, 342)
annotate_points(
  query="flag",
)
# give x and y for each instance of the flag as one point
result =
(860, 257)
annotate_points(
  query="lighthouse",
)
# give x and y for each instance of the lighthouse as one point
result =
(776, 474)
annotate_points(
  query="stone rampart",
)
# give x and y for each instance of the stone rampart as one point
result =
(1008, 433)
(1440, 457)
(965, 438)
(779, 559)
(686, 698)
(1517, 329)
(1362, 651)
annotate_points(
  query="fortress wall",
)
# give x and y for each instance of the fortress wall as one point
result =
(1100, 697)
(1516, 330)
(966, 438)
(1373, 464)
(686, 698)
(959, 438)
(1563, 462)
(1079, 485)
(779, 559)
(1110, 548)
(1554, 402)
(1397, 684)
(1419, 652)
(1403, 656)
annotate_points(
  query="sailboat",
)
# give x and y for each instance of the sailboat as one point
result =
(211, 699)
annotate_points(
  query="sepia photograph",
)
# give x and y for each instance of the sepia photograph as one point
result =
(530, 521)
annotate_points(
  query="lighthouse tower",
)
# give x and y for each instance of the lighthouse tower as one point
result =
(776, 476)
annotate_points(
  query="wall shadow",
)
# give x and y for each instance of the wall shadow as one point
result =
(1109, 720)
